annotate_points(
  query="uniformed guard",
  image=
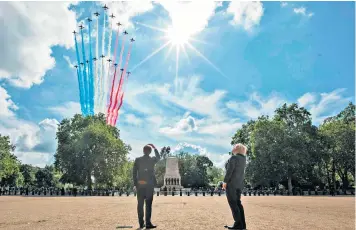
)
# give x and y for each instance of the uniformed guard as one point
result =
(145, 181)
(234, 184)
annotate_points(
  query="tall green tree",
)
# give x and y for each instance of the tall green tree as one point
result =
(87, 148)
(9, 164)
(339, 136)
(29, 172)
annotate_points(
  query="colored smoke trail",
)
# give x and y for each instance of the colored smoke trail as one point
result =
(96, 93)
(91, 77)
(80, 81)
(107, 79)
(110, 115)
(114, 77)
(102, 80)
(116, 113)
(85, 76)
(114, 117)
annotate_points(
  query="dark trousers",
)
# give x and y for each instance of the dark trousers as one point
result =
(144, 193)
(234, 198)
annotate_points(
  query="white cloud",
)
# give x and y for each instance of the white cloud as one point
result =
(245, 14)
(284, 4)
(218, 160)
(67, 110)
(303, 11)
(190, 18)
(6, 104)
(186, 124)
(132, 119)
(125, 11)
(189, 97)
(26, 55)
(329, 105)
(306, 99)
(257, 106)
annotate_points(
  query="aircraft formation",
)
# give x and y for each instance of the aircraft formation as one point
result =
(101, 88)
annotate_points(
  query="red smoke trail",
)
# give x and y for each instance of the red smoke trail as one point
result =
(121, 83)
(116, 113)
(114, 77)
(109, 115)
(116, 96)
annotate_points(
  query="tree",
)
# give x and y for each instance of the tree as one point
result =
(87, 148)
(339, 136)
(215, 175)
(123, 175)
(45, 177)
(29, 172)
(9, 164)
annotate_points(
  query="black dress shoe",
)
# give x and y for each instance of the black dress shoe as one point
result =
(233, 227)
(142, 225)
(150, 225)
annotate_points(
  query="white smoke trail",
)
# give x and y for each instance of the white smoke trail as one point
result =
(107, 79)
(101, 93)
(96, 65)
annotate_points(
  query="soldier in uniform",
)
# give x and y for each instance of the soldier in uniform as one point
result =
(145, 181)
(234, 184)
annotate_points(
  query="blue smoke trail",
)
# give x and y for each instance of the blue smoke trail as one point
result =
(86, 98)
(80, 78)
(91, 77)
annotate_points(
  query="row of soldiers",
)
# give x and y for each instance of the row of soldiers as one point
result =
(120, 192)
(61, 191)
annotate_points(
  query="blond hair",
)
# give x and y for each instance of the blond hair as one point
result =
(239, 149)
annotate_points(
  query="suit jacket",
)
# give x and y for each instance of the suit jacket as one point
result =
(235, 171)
(144, 169)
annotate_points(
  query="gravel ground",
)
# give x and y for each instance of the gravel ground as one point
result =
(176, 212)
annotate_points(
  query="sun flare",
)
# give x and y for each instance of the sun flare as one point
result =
(177, 36)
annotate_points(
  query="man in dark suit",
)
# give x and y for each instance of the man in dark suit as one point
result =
(145, 181)
(234, 184)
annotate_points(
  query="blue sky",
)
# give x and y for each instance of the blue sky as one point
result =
(261, 54)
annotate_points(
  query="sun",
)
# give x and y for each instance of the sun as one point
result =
(177, 36)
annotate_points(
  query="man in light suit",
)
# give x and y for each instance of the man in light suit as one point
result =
(234, 184)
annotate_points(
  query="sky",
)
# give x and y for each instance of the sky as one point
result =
(237, 61)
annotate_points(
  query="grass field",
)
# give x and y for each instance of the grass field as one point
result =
(176, 212)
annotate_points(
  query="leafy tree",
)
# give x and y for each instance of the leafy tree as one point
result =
(87, 148)
(45, 177)
(29, 172)
(9, 164)
(123, 175)
(339, 136)
(215, 175)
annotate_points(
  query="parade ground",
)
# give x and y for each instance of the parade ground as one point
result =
(280, 212)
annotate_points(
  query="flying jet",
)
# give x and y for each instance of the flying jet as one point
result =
(74, 32)
(112, 16)
(119, 24)
(95, 59)
(76, 66)
(105, 7)
(125, 32)
(82, 63)
(128, 73)
(115, 64)
(96, 14)
(102, 56)
(109, 60)
(89, 20)
(132, 40)
(87, 61)
(122, 69)
(81, 27)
